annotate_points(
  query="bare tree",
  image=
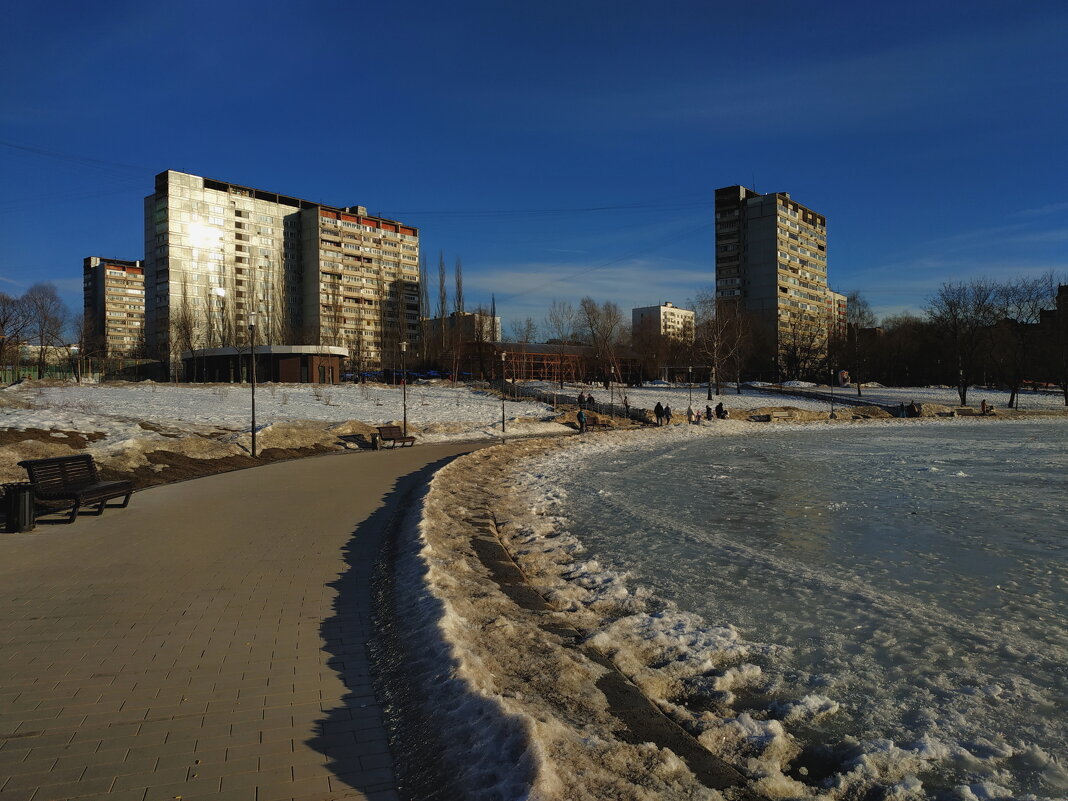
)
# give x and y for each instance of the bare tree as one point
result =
(802, 344)
(14, 324)
(184, 333)
(524, 332)
(424, 312)
(964, 314)
(602, 325)
(48, 320)
(458, 297)
(720, 337)
(1014, 342)
(1055, 353)
(859, 317)
(560, 325)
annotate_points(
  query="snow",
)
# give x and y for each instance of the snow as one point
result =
(670, 653)
(212, 420)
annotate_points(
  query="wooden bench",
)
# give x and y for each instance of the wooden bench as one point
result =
(393, 435)
(781, 416)
(593, 421)
(74, 479)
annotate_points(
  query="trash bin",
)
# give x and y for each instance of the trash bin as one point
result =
(18, 503)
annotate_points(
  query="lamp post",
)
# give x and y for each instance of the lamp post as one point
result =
(504, 354)
(612, 390)
(833, 415)
(404, 384)
(689, 377)
(252, 371)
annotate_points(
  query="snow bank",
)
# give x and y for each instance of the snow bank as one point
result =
(671, 655)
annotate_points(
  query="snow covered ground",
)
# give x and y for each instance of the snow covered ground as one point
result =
(228, 405)
(212, 420)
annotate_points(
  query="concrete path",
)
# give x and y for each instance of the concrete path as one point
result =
(206, 642)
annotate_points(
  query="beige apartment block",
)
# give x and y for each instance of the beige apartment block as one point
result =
(771, 257)
(113, 294)
(666, 320)
(219, 256)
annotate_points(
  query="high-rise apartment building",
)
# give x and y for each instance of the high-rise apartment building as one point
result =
(771, 257)
(666, 320)
(113, 295)
(219, 256)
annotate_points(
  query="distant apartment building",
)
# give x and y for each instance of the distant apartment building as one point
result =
(221, 256)
(771, 258)
(666, 320)
(468, 326)
(113, 295)
(837, 309)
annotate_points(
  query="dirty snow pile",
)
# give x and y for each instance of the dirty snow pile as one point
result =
(506, 663)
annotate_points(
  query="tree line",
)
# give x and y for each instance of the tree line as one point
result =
(38, 317)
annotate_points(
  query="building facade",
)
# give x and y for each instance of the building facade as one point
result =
(113, 296)
(666, 320)
(771, 258)
(466, 327)
(226, 263)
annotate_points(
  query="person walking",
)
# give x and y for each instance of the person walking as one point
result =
(582, 421)
(721, 413)
(590, 401)
(582, 400)
(708, 413)
(689, 415)
(667, 415)
(658, 411)
(626, 407)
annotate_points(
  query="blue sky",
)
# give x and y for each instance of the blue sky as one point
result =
(559, 149)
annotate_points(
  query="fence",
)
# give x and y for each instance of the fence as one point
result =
(554, 399)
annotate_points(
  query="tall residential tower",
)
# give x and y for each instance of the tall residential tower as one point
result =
(113, 296)
(771, 257)
(219, 256)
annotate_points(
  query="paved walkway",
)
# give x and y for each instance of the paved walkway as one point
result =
(208, 641)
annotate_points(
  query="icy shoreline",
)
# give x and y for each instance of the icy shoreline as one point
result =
(506, 657)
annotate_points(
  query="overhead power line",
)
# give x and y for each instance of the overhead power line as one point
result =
(83, 160)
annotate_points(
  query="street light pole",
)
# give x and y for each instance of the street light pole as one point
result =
(252, 360)
(503, 355)
(689, 376)
(404, 384)
(833, 415)
(612, 390)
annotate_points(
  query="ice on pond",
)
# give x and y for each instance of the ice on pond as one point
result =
(845, 608)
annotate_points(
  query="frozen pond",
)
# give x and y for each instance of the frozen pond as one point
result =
(916, 579)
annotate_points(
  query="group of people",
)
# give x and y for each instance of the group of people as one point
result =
(662, 414)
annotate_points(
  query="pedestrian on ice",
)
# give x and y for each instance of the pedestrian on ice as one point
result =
(689, 415)
(626, 407)
(582, 421)
(721, 413)
(708, 413)
(667, 415)
(658, 410)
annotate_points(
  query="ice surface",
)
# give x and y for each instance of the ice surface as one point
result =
(907, 605)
